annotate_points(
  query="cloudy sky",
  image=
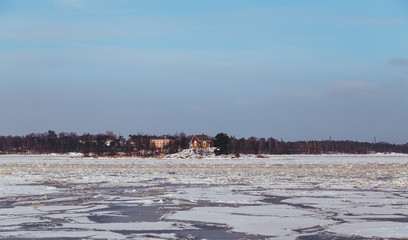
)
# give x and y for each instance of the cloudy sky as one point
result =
(296, 70)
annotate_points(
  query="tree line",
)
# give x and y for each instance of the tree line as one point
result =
(109, 144)
(272, 146)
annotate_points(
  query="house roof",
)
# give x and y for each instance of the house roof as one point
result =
(203, 138)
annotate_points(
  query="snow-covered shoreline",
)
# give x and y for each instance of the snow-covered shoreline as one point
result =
(190, 156)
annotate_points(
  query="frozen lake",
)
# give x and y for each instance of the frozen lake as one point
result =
(277, 197)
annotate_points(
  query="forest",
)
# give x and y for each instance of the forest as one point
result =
(109, 144)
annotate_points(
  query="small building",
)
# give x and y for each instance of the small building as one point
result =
(200, 141)
(160, 143)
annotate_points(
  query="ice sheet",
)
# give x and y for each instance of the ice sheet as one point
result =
(271, 220)
(341, 194)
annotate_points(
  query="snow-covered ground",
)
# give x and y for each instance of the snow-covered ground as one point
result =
(190, 156)
(200, 195)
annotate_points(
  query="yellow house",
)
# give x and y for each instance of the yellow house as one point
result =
(160, 143)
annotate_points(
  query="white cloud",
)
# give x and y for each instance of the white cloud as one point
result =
(399, 62)
(339, 89)
(72, 3)
(357, 88)
(377, 21)
(58, 26)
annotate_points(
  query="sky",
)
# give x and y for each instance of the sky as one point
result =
(291, 70)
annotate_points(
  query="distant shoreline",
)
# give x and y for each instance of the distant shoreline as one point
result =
(142, 145)
(196, 156)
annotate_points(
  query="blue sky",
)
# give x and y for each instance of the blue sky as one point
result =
(296, 70)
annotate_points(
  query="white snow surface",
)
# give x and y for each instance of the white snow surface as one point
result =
(273, 220)
(191, 156)
(297, 194)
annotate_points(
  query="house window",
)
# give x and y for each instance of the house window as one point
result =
(204, 143)
(195, 143)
